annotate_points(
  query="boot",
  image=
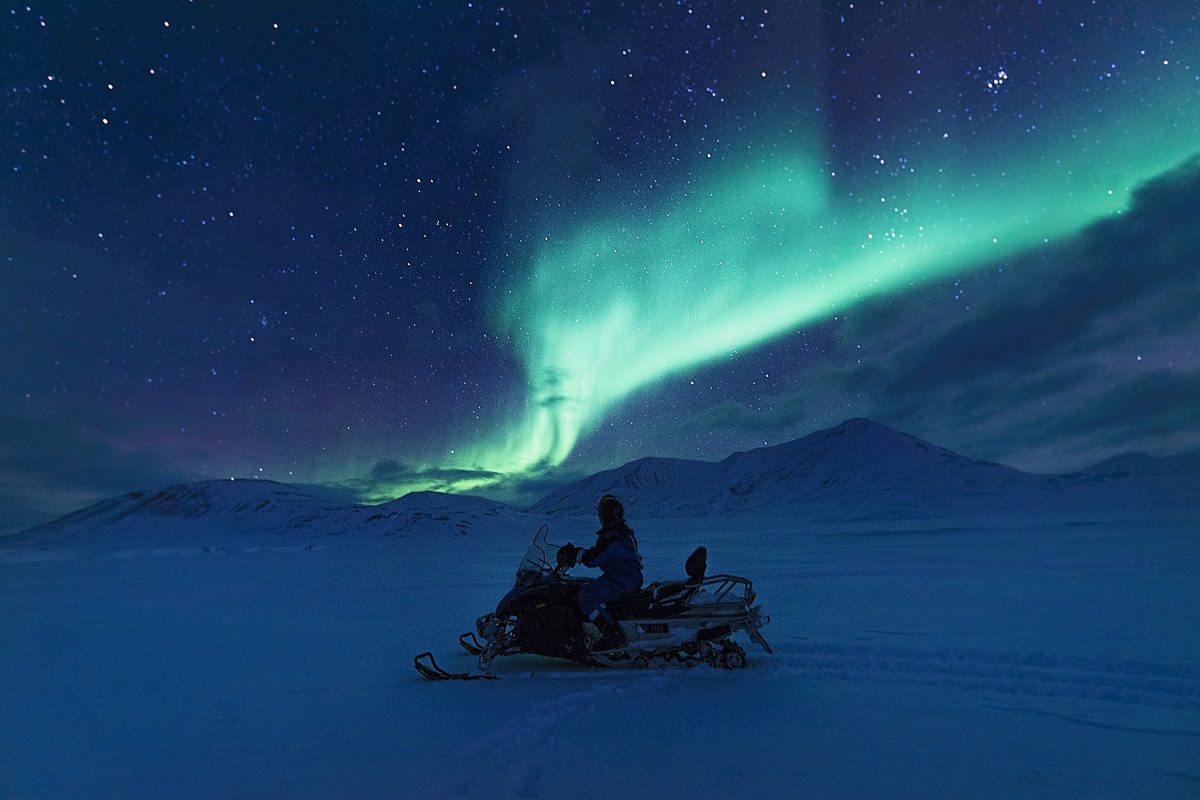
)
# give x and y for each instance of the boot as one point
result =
(612, 634)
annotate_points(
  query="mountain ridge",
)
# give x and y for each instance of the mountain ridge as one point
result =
(858, 470)
(862, 469)
(247, 506)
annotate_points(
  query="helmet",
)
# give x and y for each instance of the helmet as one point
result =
(609, 509)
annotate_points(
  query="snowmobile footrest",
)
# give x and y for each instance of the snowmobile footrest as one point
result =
(434, 672)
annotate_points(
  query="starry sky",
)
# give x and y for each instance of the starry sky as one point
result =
(371, 247)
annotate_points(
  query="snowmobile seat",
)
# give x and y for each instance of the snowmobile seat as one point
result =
(667, 594)
(634, 605)
(655, 599)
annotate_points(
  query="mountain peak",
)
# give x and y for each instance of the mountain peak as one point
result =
(852, 465)
(856, 470)
(206, 511)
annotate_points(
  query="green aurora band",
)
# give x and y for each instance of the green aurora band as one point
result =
(756, 250)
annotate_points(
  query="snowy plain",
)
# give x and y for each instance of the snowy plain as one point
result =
(983, 659)
(942, 628)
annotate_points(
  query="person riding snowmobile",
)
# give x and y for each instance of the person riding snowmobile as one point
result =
(615, 554)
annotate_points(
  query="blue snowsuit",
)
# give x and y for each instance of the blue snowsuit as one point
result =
(616, 555)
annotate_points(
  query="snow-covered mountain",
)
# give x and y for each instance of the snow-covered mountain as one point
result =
(859, 470)
(863, 470)
(261, 506)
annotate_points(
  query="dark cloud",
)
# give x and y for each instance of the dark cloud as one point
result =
(731, 416)
(1159, 403)
(385, 479)
(389, 470)
(1053, 296)
(49, 467)
(1033, 362)
(725, 415)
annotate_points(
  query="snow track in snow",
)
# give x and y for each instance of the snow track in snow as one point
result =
(1141, 683)
(1023, 660)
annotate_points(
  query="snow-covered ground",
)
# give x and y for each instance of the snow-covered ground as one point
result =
(999, 658)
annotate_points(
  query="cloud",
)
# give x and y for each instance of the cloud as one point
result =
(728, 415)
(1157, 404)
(1054, 298)
(388, 479)
(49, 467)
(1050, 358)
(389, 470)
(1032, 362)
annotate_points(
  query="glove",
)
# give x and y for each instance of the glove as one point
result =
(568, 554)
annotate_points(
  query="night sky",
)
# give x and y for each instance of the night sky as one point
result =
(385, 246)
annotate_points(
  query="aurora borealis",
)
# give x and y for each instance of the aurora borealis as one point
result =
(381, 247)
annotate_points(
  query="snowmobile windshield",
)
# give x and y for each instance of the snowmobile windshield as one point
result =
(539, 558)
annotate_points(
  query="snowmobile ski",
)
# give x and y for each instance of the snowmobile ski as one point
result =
(435, 673)
(470, 642)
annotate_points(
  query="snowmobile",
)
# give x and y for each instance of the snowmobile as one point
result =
(672, 623)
